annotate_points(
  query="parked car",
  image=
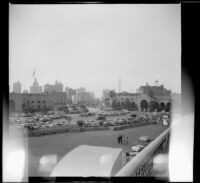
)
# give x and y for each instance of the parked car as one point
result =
(133, 115)
(95, 124)
(80, 123)
(87, 124)
(106, 123)
(112, 123)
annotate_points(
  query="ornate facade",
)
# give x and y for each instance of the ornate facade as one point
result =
(20, 102)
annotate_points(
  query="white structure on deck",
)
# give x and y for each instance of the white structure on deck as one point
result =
(88, 161)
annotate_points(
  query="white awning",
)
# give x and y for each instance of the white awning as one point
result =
(87, 161)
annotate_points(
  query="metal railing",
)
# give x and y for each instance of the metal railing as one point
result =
(142, 163)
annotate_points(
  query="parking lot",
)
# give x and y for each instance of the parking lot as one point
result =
(52, 122)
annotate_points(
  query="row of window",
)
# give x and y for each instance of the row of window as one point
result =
(37, 101)
(40, 101)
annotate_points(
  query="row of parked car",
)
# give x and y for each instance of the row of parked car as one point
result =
(102, 121)
(42, 120)
(40, 125)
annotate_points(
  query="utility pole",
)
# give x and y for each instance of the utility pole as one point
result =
(119, 85)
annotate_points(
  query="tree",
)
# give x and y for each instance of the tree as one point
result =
(127, 104)
(144, 105)
(168, 107)
(114, 104)
(112, 94)
(153, 105)
(133, 106)
(162, 106)
(80, 123)
(122, 105)
(118, 105)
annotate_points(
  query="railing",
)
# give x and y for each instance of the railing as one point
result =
(142, 164)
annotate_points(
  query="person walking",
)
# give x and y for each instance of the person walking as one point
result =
(127, 140)
(118, 139)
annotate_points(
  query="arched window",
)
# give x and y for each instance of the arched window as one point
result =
(144, 105)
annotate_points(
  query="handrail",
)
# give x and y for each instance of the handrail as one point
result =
(131, 167)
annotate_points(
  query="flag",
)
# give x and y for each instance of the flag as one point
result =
(34, 73)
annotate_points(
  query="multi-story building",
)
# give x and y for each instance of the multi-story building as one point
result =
(57, 87)
(35, 88)
(70, 93)
(86, 98)
(25, 91)
(80, 90)
(17, 87)
(38, 101)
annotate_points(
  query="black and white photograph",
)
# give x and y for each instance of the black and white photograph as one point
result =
(94, 91)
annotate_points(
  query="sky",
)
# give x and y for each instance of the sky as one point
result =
(92, 45)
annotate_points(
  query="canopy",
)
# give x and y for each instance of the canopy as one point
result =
(87, 161)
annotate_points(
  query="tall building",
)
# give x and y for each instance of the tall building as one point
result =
(87, 98)
(17, 87)
(80, 90)
(70, 92)
(57, 87)
(35, 88)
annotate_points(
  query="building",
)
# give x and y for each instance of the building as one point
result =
(143, 98)
(80, 90)
(154, 90)
(25, 91)
(38, 101)
(57, 87)
(70, 93)
(35, 88)
(17, 87)
(86, 98)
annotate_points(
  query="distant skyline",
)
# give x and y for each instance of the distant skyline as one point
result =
(91, 46)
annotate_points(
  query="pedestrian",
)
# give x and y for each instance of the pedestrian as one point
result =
(121, 139)
(127, 140)
(118, 139)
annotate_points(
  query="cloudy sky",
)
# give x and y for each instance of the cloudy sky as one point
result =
(92, 45)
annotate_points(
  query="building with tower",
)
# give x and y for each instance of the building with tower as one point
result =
(35, 88)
